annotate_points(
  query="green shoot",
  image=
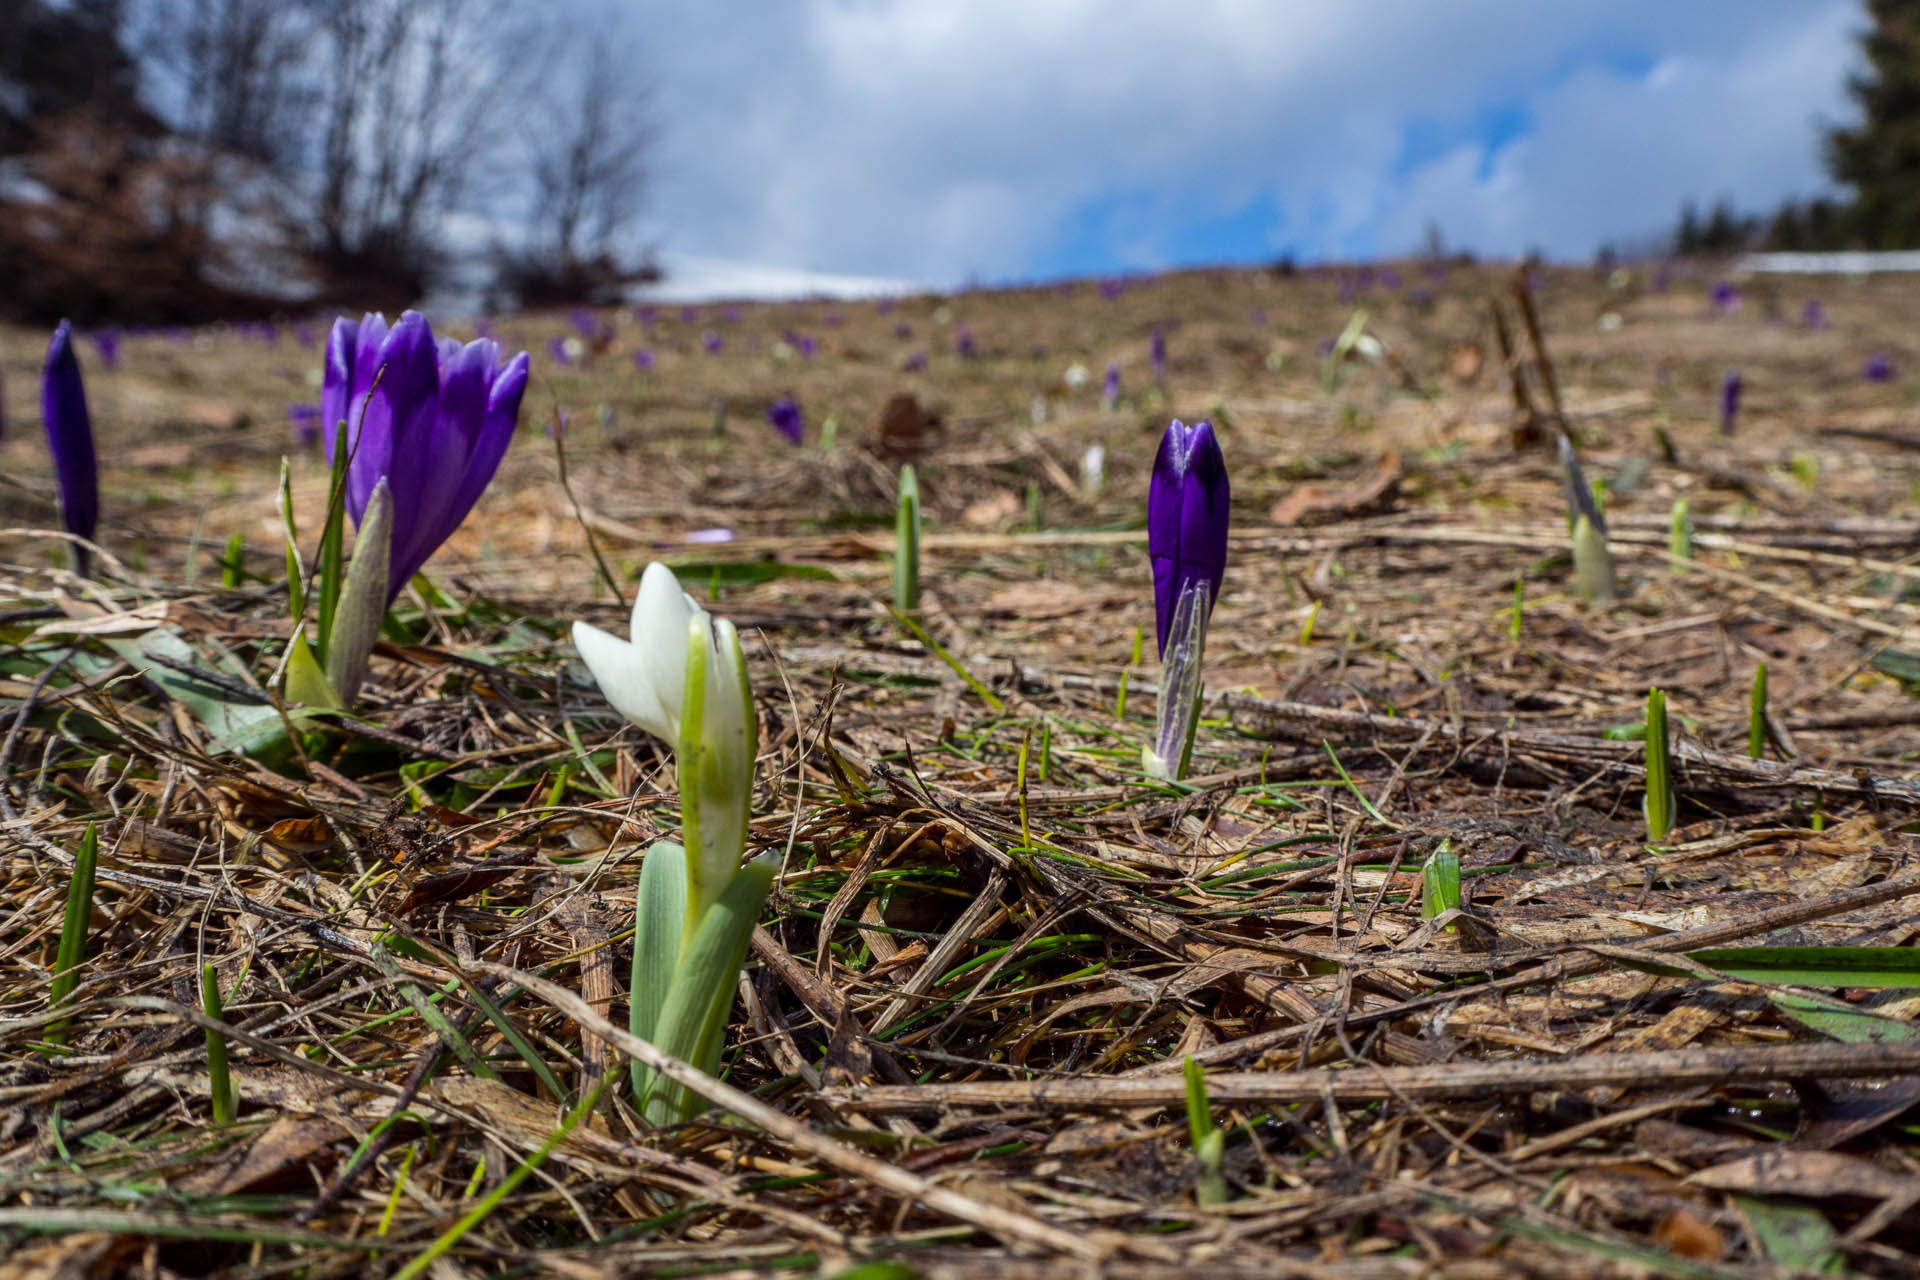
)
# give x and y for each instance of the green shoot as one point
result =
(1209, 1143)
(1139, 646)
(217, 1077)
(906, 544)
(1306, 628)
(233, 565)
(1020, 780)
(73, 931)
(1519, 611)
(1680, 532)
(296, 567)
(1757, 714)
(1658, 804)
(1592, 564)
(1440, 882)
(1120, 699)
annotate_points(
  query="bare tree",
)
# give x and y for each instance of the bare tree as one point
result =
(589, 155)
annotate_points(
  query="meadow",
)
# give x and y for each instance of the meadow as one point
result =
(993, 941)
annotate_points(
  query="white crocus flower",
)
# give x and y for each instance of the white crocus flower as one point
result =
(683, 678)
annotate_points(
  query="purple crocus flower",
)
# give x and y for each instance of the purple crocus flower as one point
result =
(1158, 349)
(107, 343)
(1726, 297)
(903, 330)
(807, 347)
(1390, 278)
(689, 314)
(557, 348)
(1110, 392)
(1879, 368)
(1729, 401)
(730, 316)
(1111, 289)
(303, 334)
(646, 316)
(963, 343)
(435, 426)
(1813, 315)
(584, 323)
(305, 420)
(1187, 502)
(711, 341)
(784, 414)
(643, 359)
(884, 306)
(63, 408)
(914, 363)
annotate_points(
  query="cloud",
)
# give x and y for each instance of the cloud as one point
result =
(1006, 138)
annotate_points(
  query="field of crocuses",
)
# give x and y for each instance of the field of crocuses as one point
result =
(1351, 772)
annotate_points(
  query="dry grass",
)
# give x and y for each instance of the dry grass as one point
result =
(994, 941)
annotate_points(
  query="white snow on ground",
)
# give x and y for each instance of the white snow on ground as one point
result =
(696, 279)
(1850, 263)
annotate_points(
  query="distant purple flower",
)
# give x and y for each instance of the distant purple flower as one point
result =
(902, 330)
(646, 316)
(643, 359)
(1111, 391)
(1813, 315)
(305, 419)
(1437, 272)
(107, 343)
(1421, 297)
(1348, 290)
(689, 314)
(269, 333)
(1729, 401)
(1187, 503)
(1879, 368)
(963, 343)
(584, 323)
(1326, 347)
(1363, 279)
(884, 306)
(914, 363)
(1111, 289)
(831, 320)
(708, 535)
(1726, 297)
(1390, 278)
(1258, 315)
(304, 335)
(731, 315)
(807, 347)
(1064, 288)
(711, 341)
(557, 348)
(786, 418)
(63, 408)
(1157, 347)
(434, 424)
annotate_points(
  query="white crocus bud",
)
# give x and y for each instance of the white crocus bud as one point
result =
(683, 678)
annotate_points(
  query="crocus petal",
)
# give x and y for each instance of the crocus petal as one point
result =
(660, 613)
(63, 406)
(1187, 508)
(337, 388)
(617, 670)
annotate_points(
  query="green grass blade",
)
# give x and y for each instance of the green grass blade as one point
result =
(221, 1084)
(1817, 966)
(73, 930)
(1658, 804)
(1757, 714)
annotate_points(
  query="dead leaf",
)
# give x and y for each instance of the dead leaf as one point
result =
(1812, 1174)
(997, 507)
(1308, 505)
(1690, 1236)
(282, 1146)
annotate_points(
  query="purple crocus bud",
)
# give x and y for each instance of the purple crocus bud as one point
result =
(786, 418)
(1187, 502)
(711, 341)
(1813, 315)
(1879, 368)
(1390, 278)
(689, 314)
(1158, 349)
(963, 343)
(730, 316)
(107, 343)
(305, 420)
(1729, 401)
(643, 359)
(63, 408)
(1110, 392)
(807, 347)
(557, 348)
(1726, 297)
(435, 426)
(914, 363)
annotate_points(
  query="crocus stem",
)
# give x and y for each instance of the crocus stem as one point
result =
(1180, 683)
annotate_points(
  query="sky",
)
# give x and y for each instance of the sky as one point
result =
(948, 142)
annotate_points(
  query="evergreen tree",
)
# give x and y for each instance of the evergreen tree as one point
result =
(1880, 157)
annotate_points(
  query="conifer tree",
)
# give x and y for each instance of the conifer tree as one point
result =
(1879, 158)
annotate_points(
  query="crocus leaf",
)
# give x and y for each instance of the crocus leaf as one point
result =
(306, 684)
(250, 726)
(1843, 1022)
(363, 596)
(1818, 966)
(660, 909)
(702, 988)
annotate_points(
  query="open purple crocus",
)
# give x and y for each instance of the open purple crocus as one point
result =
(436, 425)
(1186, 519)
(63, 407)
